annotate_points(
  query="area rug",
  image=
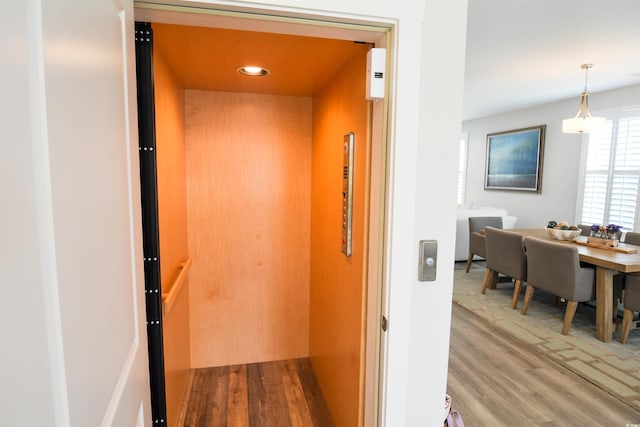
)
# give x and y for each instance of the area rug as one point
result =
(612, 366)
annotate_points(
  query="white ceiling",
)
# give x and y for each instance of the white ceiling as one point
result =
(522, 53)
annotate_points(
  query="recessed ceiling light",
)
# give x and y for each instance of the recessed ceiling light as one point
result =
(252, 70)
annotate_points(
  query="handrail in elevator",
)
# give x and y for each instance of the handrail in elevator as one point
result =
(169, 297)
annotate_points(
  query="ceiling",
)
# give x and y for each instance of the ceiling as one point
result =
(208, 58)
(520, 53)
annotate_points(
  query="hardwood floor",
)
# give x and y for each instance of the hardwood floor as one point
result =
(281, 393)
(496, 380)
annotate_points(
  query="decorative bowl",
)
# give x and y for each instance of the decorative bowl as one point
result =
(558, 234)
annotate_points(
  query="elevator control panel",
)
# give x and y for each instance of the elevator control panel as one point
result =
(428, 260)
(347, 192)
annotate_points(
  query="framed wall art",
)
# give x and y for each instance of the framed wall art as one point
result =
(514, 159)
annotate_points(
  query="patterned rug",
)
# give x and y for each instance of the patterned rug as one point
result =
(612, 366)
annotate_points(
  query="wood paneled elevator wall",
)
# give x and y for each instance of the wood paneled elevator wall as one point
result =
(172, 224)
(248, 198)
(338, 293)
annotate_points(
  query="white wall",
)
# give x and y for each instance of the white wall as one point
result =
(74, 348)
(24, 373)
(441, 94)
(561, 163)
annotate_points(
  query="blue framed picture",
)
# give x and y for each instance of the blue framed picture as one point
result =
(514, 160)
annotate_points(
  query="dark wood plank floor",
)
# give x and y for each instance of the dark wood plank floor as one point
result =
(281, 393)
(496, 380)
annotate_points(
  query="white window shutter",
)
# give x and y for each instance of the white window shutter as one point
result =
(612, 174)
(597, 176)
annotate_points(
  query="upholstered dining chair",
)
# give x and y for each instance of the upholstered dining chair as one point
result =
(555, 267)
(476, 238)
(632, 238)
(620, 279)
(631, 303)
(505, 254)
(585, 229)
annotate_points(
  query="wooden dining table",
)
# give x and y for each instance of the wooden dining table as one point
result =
(607, 262)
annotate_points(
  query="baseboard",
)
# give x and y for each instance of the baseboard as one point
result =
(185, 400)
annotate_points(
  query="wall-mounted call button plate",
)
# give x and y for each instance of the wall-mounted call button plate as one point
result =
(428, 260)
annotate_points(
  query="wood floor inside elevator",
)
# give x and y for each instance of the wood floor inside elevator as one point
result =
(281, 393)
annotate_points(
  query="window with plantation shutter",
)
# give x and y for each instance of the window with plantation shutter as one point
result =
(612, 173)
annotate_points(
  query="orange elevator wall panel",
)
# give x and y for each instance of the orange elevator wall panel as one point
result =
(248, 202)
(337, 281)
(172, 222)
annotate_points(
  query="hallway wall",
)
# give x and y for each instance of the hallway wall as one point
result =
(172, 222)
(338, 282)
(248, 201)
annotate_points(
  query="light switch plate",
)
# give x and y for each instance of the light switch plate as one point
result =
(428, 260)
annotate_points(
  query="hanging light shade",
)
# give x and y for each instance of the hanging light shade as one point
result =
(583, 122)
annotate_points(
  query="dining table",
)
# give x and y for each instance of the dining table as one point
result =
(608, 262)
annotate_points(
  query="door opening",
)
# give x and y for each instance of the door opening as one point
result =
(374, 274)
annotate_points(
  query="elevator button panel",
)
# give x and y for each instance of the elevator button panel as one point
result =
(347, 192)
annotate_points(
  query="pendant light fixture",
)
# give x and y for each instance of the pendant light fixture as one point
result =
(583, 122)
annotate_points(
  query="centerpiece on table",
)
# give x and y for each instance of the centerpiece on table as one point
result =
(605, 235)
(562, 230)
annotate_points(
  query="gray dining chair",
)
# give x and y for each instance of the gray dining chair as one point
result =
(585, 229)
(632, 238)
(631, 303)
(505, 254)
(555, 268)
(476, 238)
(620, 279)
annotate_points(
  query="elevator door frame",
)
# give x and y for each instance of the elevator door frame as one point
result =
(379, 34)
